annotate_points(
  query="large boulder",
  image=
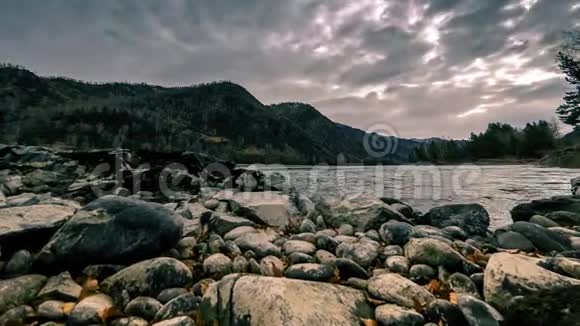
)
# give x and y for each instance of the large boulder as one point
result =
(18, 291)
(471, 218)
(112, 230)
(394, 288)
(147, 278)
(272, 207)
(31, 226)
(509, 276)
(363, 212)
(258, 300)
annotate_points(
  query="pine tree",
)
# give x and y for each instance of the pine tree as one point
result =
(569, 58)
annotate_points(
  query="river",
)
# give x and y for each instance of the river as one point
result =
(497, 187)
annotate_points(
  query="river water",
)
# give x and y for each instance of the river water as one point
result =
(497, 187)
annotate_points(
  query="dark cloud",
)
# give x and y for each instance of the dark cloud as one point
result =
(426, 67)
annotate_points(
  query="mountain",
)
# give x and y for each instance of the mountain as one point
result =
(222, 119)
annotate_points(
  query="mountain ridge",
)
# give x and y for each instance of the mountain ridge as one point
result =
(220, 118)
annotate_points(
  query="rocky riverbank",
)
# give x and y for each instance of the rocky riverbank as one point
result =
(216, 245)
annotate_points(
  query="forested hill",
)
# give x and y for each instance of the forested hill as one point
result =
(221, 119)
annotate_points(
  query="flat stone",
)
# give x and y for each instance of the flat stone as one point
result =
(311, 272)
(61, 287)
(397, 289)
(91, 310)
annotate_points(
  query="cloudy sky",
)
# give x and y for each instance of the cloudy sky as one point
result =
(421, 67)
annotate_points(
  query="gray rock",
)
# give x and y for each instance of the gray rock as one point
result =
(346, 229)
(428, 231)
(215, 244)
(357, 283)
(307, 226)
(460, 283)
(373, 235)
(422, 274)
(471, 218)
(454, 232)
(444, 311)
(320, 222)
(565, 218)
(169, 294)
(61, 287)
(274, 208)
(148, 278)
(271, 266)
(20, 315)
(543, 221)
(260, 243)
(19, 264)
(184, 305)
(311, 272)
(393, 315)
(308, 237)
(395, 232)
(324, 257)
(51, 310)
(563, 266)
(217, 266)
(300, 258)
(240, 265)
(292, 246)
(348, 268)
(396, 289)
(326, 242)
(238, 232)
(513, 240)
(91, 310)
(364, 252)
(508, 276)
(211, 204)
(222, 224)
(393, 250)
(144, 307)
(186, 246)
(254, 267)
(178, 321)
(541, 237)
(31, 224)
(112, 230)
(130, 321)
(19, 291)
(436, 253)
(362, 212)
(259, 300)
(398, 264)
(477, 312)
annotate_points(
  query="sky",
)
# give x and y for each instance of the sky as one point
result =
(411, 68)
